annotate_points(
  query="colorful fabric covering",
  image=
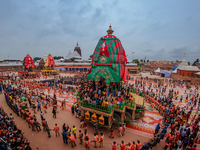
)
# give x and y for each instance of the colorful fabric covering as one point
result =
(50, 61)
(103, 72)
(111, 46)
(28, 62)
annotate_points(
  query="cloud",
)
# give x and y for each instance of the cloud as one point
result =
(157, 30)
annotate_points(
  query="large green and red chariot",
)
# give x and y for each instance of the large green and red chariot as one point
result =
(108, 69)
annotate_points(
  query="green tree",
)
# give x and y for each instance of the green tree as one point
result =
(73, 58)
(141, 60)
(57, 57)
(196, 62)
(147, 60)
(136, 61)
(36, 58)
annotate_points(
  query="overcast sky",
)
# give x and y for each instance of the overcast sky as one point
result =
(157, 29)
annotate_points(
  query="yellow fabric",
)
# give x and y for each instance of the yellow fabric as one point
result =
(74, 130)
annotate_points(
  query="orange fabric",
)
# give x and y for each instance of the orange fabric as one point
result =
(101, 138)
(138, 146)
(80, 135)
(32, 122)
(120, 129)
(86, 136)
(44, 122)
(133, 147)
(56, 128)
(88, 143)
(28, 119)
(112, 133)
(72, 138)
(95, 138)
(114, 146)
(123, 146)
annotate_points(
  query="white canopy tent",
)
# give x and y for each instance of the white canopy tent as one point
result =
(158, 70)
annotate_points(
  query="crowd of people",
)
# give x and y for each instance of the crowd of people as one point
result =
(10, 136)
(179, 127)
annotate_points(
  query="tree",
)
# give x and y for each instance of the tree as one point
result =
(73, 58)
(189, 63)
(141, 60)
(36, 58)
(57, 57)
(147, 60)
(196, 62)
(136, 61)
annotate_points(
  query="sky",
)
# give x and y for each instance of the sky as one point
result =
(155, 29)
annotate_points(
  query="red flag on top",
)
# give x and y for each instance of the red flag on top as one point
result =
(104, 50)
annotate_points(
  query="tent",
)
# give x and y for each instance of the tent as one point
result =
(158, 70)
(174, 68)
(165, 73)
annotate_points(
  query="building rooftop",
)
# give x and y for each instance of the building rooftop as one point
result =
(183, 63)
(190, 68)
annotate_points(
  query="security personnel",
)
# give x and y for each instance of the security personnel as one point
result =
(87, 144)
(138, 145)
(95, 140)
(28, 121)
(80, 136)
(114, 146)
(32, 124)
(44, 123)
(72, 140)
(101, 139)
(133, 146)
(86, 135)
(56, 129)
(122, 145)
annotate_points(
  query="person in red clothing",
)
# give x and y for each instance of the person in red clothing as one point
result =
(72, 140)
(28, 121)
(87, 144)
(122, 145)
(32, 124)
(114, 146)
